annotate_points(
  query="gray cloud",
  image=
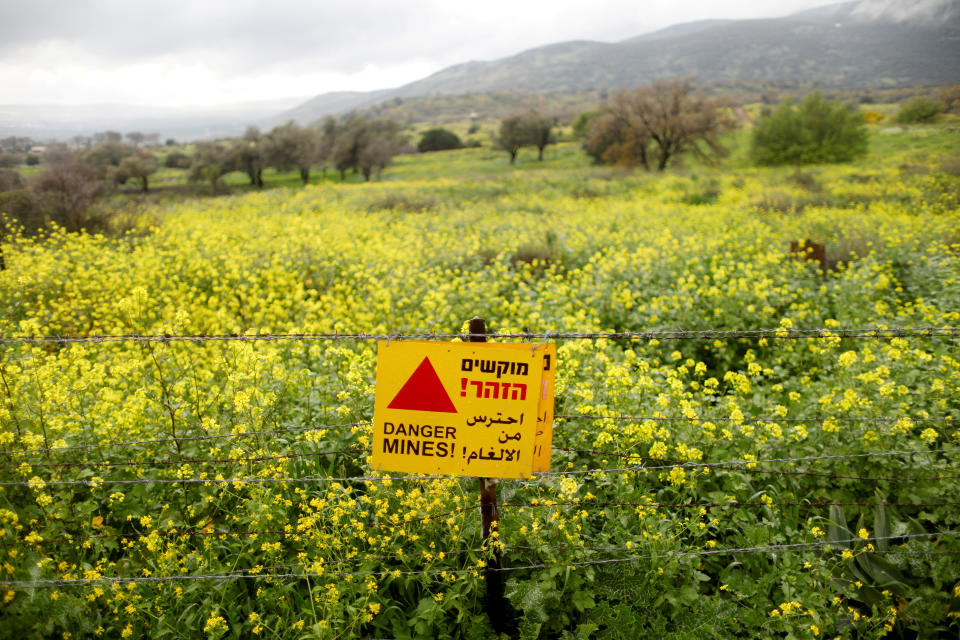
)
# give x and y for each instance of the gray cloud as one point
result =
(62, 50)
(349, 35)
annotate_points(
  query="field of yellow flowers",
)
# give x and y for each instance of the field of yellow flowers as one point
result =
(783, 484)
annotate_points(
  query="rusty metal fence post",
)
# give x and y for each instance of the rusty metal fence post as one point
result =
(498, 609)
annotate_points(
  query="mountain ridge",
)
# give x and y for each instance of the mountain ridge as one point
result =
(872, 44)
(865, 44)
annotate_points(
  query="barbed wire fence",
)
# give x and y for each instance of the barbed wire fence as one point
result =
(785, 466)
(880, 333)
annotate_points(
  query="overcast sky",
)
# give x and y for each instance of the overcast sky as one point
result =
(195, 52)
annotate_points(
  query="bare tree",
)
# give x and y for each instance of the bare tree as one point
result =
(65, 189)
(615, 135)
(654, 124)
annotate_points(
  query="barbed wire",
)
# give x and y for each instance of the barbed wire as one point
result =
(293, 456)
(749, 463)
(677, 334)
(190, 461)
(750, 419)
(633, 469)
(210, 530)
(761, 549)
(367, 423)
(728, 463)
(637, 418)
(727, 504)
(816, 474)
(244, 480)
(131, 443)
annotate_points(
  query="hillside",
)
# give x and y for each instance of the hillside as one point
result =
(873, 43)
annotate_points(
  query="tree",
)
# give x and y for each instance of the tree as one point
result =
(653, 125)
(211, 161)
(107, 154)
(538, 131)
(328, 140)
(512, 136)
(140, 166)
(583, 120)
(817, 131)
(248, 154)
(920, 109)
(177, 160)
(58, 152)
(365, 146)
(65, 189)
(611, 138)
(136, 138)
(679, 120)
(438, 139)
(381, 144)
(347, 144)
(107, 136)
(291, 146)
(81, 142)
(16, 144)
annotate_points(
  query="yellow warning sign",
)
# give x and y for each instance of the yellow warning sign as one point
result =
(543, 439)
(472, 409)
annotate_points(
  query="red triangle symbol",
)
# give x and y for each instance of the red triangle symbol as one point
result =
(423, 392)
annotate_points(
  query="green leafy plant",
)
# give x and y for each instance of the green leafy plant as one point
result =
(815, 132)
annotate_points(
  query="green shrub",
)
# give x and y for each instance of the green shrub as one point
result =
(920, 109)
(439, 139)
(817, 131)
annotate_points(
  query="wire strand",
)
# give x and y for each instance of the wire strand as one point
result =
(209, 531)
(751, 419)
(678, 334)
(633, 469)
(189, 461)
(793, 547)
(731, 463)
(131, 443)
